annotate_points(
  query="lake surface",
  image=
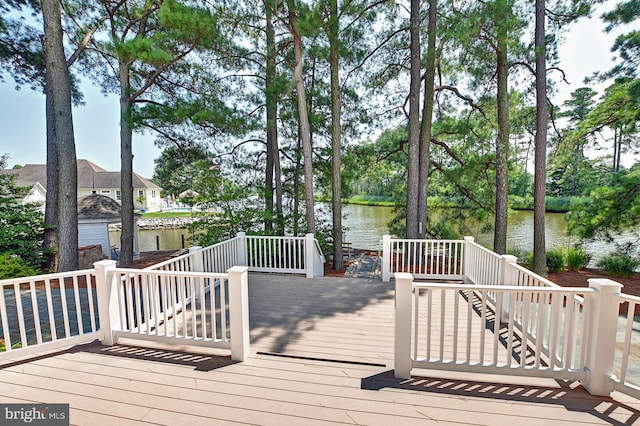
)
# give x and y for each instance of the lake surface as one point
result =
(365, 226)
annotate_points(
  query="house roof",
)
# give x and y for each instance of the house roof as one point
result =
(96, 206)
(90, 176)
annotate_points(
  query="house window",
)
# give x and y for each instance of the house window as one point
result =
(118, 195)
(153, 194)
(106, 191)
(140, 193)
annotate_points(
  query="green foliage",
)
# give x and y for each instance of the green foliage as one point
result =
(555, 259)
(517, 202)
(627, 45)
(21, 225)
(14, 267)
(527, 259)
(577, 258)
(371, 200)
(558, 204)
(154, 215)
(227, 207)
(610, 209)
(619, 264)
(3, 345)
(175, 168)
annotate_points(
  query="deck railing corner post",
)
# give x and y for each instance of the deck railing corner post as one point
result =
(466, 259)
(602, 310)
(197, 265)
(386, 258)
(309, 257)
(508, 276)
(239, 312)
(242, 249)
(402, 334)
(107, 295)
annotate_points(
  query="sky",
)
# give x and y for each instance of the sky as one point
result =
(96, 124)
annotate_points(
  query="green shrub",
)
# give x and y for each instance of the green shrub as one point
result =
(517, 202)
(3, 345)
(555, 259)
(619, 264)
(14, 267)
(577, 258)
(527, 259)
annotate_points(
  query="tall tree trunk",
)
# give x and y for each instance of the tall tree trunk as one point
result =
(619, 148)
(616, 138)
(574, 169)
(272, 105)
(540, 188)
(303, 117)
(336, 161)
(502, 142)
(413, 158)
(427, 118)
(296, 185)
(59, 89)
(278, 184)
(51, 203)
(126, 168)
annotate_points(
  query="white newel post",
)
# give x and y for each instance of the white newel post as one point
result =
(197, 265)
(402, 335)
(466, 259)
(239, 312)
(508, 276)
(386, 258)
(107, 294)
(309, 249)
(242, 248)
(603, 313)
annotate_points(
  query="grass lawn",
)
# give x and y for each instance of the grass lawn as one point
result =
(164, 215)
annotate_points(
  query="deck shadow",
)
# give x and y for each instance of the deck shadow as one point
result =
(201, 362)
(568, 395)
(285, 307)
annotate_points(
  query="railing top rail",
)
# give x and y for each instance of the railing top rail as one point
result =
(475, 287)
(318, 248)
(168, 262)
(486, 250)
(275, 237)
(629, 298)
(171, 273)
(532, 274)
(418, 240)
(36, 278)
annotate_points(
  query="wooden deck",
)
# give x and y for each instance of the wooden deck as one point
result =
(321, 353)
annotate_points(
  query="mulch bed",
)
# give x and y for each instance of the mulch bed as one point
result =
(579, 279)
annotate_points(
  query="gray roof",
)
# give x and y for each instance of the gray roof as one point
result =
(90, 176)
(96, 206)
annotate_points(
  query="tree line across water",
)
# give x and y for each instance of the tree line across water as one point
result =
(261, 106)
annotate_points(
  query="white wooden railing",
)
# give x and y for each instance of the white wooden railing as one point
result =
(48, 311)
(425, 259)
(288, 255)
(509, 320)
(543, 334)
(283, 254)
(107, 304)
(627, 363)
(190, 308)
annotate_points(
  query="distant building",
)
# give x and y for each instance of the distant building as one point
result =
(92, 179)
(95, 213)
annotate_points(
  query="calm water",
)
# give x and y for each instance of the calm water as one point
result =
(365, 226)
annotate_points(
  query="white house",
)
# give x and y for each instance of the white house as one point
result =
(92, 179)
